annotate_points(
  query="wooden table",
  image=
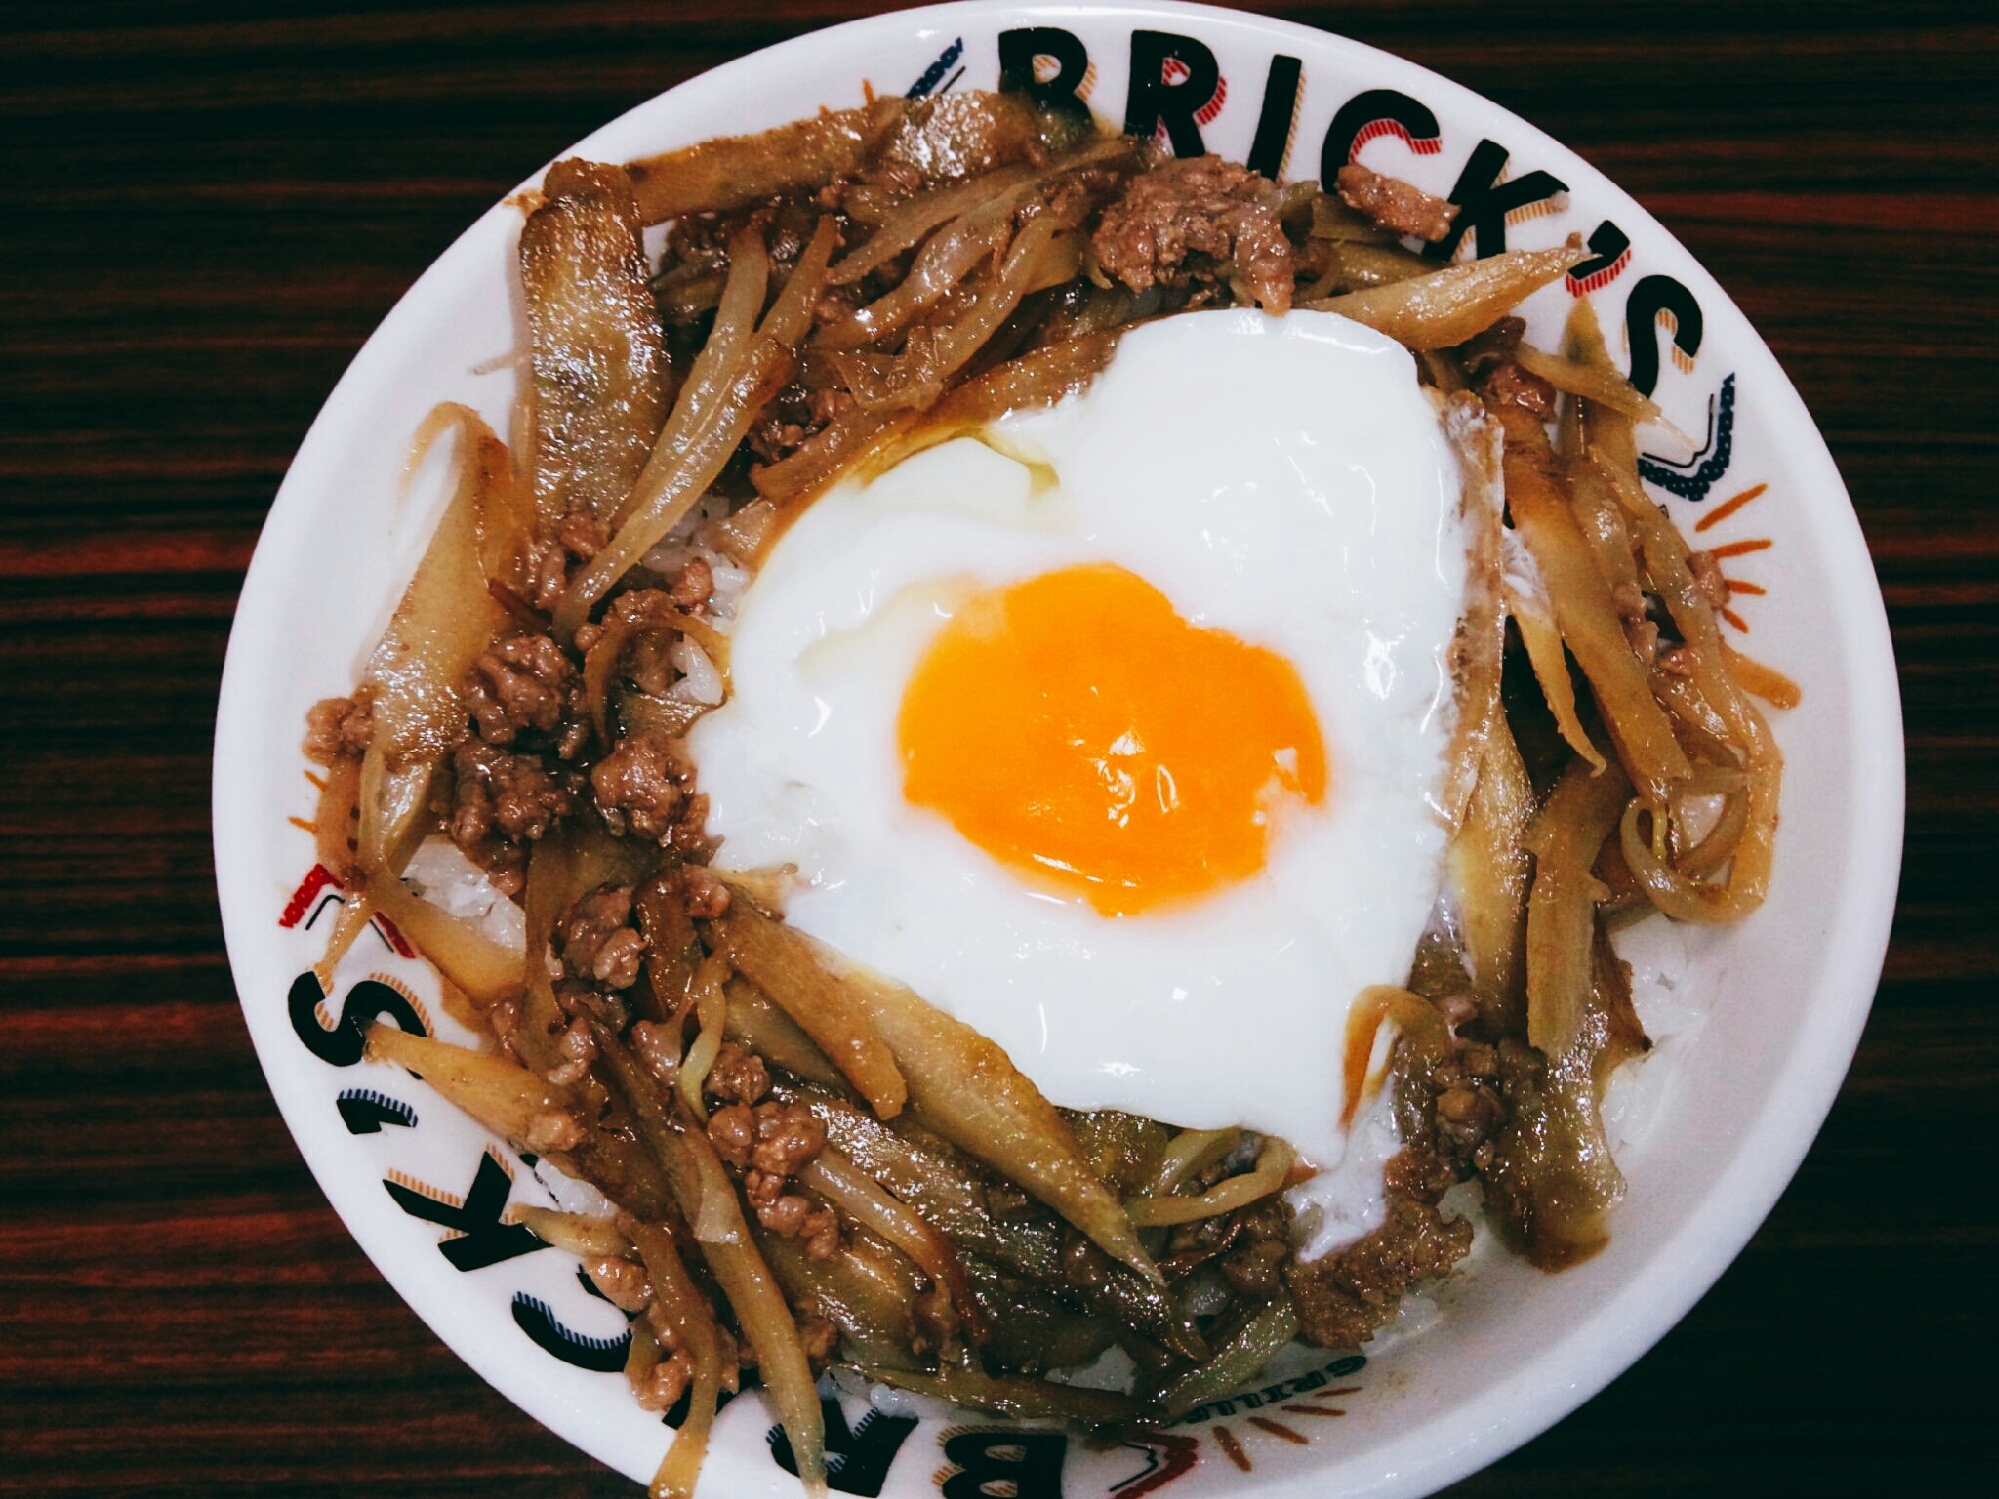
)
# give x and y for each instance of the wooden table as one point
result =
(210, 206)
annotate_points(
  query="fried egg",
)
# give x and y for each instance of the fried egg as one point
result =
(1114, 728)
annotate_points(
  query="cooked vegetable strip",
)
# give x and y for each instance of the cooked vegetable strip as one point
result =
(597, 367)
(1487, 870)
(736, 313)
(706, 1198)
(963, 1086)
(685, 1309)
(1534, 617)
(851, 1190)
(711, 1009)
(413, 678)
(734, 171)
(1034, 380)
(1187, 1154)
(578, 1234)
(1253, 1344)
(906, 226)
(473, 961)
(1023, 1399)
(976, 236)
(333, 820)
(671, 487)
(1417, 1024)
(1584, 609)
(787, 966)
(867, 1290)
(499, 1093)
(1565, 839)
(1453, 306)
(931, 1178)
(1578, 377)
(355, 914)
(753, 1021)
(1272, 1174)
(1481, 639)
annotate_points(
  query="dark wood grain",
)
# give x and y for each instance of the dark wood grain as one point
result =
(211, 205)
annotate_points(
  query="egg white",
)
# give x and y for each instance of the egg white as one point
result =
(1283, 479)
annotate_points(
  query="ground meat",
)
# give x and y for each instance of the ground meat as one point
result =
(1508, 381)
(733, 1133)
(1345, 1297)
(737, 1076)
(788, 1135)
(656, 1049)
(552, 1130)
(504, 801)
(1198, 218)
(1395, 204)
(1706, 569)
(525, 682)
(579, 536)
(640, 787)
(578, 1050)
(667, 1380)
(793, 1217)
(337, 726)
(707, 896)
(1262, 1243)
(596, 939)
(693, 585)
(624, 1283)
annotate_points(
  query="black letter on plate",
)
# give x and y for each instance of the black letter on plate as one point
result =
(1484, 202)
(1273, 124)
(857, 1461)
(364, 1111)
(487, 1240)
(1607, 245)
(533, 1317)
(1019, 48)
(1029, 1460)
(1649, 298)
(365, 1001)
(1152, 101)
(1379, 111)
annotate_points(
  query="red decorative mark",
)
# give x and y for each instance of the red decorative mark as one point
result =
(1728, 507)
(1736, 620)
(1279, 1429)
(303, 826)
(1225, 1439)
(1314, 1410)
(1374, 130)
(394, 938)
(1736, 585)
(1742, 548)
(318, 879)
(1598, 280)
(1175, 1457)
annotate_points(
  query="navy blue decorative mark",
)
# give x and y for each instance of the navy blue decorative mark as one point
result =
(1274, 121)
(1018, 51)
(533, 1317)
(1650, 297)
(486, 1240)
(1152, 101)
(1030, 1461)
(1368, 116)
(1610, 252)
(366, 1001)
(934, 74)
(1484, 201)
(857, 1460)
(364, 1111)
(1692, 480)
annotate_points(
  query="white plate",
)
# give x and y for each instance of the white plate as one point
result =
(1785, 993)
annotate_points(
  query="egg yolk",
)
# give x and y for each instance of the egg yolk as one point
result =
(1077, 729)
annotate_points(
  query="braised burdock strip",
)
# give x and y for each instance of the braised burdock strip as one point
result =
(811, 1164)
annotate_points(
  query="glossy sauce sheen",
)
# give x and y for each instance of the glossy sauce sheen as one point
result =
(1259, 502)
